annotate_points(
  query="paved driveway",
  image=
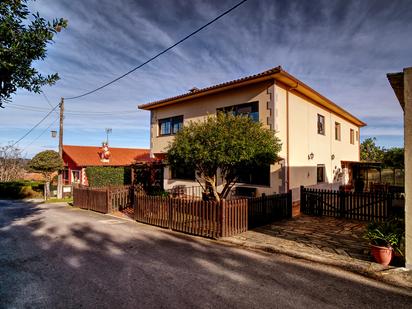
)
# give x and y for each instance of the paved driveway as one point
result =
(59, 257)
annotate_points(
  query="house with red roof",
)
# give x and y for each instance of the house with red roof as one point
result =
(78, 158)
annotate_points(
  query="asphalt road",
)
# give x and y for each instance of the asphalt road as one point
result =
(60, 257)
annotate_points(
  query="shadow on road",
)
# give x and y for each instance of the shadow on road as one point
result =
(59, 257)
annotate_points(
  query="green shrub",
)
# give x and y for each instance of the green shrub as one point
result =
(21, 189)
(389, 233)
(102, 176)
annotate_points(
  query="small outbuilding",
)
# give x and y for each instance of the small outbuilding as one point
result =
(78, 158)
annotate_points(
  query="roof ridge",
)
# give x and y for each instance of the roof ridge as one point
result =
(81, 146)
(227, 83)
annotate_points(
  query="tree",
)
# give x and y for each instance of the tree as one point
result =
(46, 162)
(23, 41)
(394, 158)
(369, 151)
(222, 144)
(11, 163)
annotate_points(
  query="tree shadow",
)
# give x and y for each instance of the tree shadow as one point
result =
(64, 257)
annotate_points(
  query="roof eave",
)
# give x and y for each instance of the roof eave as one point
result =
(276, 74)
(397, 83)
(301, 87)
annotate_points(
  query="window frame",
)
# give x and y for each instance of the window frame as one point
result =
(338, 131)
(256, 173)
(234, 109)
(352, 136)
(173, 175)
(321, 131)
(171, 121)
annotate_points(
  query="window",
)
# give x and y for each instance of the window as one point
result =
(255, 175)
(248, 109)
(357, 136)
(183, 172)
(75, 176)
(337, 131)
(321, 173)
(321, 124)
(352, 136)
(169, 126)
(65, 176)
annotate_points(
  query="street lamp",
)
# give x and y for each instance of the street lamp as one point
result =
(53, 133)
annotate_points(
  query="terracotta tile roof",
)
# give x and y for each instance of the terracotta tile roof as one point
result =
(206, 89)
(89, 155)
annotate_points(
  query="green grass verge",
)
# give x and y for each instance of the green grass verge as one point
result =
(60, 200)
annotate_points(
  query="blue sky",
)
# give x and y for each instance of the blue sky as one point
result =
(343, 49)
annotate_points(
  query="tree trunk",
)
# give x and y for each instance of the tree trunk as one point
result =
(211, 182)
(47, 190)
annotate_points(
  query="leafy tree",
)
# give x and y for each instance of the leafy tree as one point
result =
(394, 158)
(369, 151)
(222, 145)
(23, 41)
(46, 162)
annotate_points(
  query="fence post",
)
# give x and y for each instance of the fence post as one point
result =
(342, 196)
(389, 209)
(290, 204)
(108, 201)
(223, 217)
(302, 199)
(170, 209)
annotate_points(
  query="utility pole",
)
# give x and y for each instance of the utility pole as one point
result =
(60, 176)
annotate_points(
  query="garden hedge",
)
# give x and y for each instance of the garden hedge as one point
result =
(102, 176)
(21, 189)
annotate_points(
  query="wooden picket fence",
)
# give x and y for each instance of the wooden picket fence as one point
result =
(197, 217)
(104, 200)
(268, 208)
(210, 218)
(366, 206)
(193, 216)
(91, 199)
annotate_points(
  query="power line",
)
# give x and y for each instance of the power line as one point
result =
(47, 100)
(74, 113)
(36, 125)
(159, 54)
(45, 130)
(134, 69)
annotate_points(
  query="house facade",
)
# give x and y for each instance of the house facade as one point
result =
(77, 158)
(316, 134)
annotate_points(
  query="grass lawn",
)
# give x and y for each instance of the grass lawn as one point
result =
(60, 200)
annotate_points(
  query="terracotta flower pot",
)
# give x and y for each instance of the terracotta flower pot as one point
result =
(382, 255)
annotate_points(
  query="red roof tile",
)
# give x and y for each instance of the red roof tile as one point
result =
(89, 155)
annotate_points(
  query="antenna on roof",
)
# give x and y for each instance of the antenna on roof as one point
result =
(108, 131)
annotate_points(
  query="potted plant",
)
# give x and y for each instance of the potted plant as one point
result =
(385, 237)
